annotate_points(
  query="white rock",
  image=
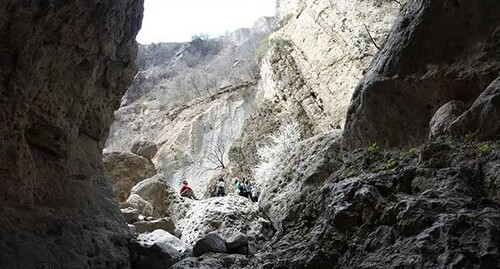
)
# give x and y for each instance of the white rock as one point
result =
(162, 237)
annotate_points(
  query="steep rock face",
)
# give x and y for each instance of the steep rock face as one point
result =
(315, 59)
(65, 65)
(438, 51)
(322, 50)
(191, 99)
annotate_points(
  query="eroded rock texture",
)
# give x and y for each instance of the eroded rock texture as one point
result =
(438, 51)
(433, 209)
(64, 67)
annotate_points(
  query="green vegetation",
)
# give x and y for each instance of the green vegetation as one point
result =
(483, 148)
(391, 164)
(372, 147)
(307, 236)
(352, 171)
(413, 150)
(261, 49)
(471, 136)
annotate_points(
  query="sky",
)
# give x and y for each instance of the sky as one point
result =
(180, 20)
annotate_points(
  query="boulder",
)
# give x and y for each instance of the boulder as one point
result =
(158, 193)
(131, 215)
(226, 216)
(483, 117)
(154, 256)
(210, 243)
(236, 241)
(145, 149)
(142, 206)
(444, 116)
(162, 237)
(146, 226)
(126, 170)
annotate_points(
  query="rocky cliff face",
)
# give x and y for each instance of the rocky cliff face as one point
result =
(319, 53)
(438, 51)
(64, 67)
(315, 59)
(191, 99)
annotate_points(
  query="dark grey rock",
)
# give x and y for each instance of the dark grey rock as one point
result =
(444, 116)
(435, 53)
(482, 119)
(210, 243)
(63, 70)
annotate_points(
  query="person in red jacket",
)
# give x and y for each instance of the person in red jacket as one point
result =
(187, 191)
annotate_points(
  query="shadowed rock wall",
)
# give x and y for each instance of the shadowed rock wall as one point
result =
(64, 67)
(438, 51)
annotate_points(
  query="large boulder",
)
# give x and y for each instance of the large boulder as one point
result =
(165, 201)
(142, 206)
(126, 170)
(209, 243)
(438, 51)
(147, 226)
(444, 116)
(145, 149)
(483, 117)
(225, 216)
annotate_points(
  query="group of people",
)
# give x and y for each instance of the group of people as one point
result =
(243, 188)
(248, 190)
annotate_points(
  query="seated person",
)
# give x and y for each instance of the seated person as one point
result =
(187, 191)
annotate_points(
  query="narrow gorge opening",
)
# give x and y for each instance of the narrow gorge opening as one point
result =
(369, 131)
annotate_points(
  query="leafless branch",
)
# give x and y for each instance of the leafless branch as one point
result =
(371, 38)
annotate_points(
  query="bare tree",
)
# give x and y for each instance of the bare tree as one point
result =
(194, 84)
(251, 69)
(216, 154)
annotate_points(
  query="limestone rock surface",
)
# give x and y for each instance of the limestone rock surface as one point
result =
(65, 66)
(126, 170)
(318, 54)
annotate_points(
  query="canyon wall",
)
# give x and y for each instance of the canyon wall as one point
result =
(315, 58)
(191, 99)
(65, 66)
(438, 51)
